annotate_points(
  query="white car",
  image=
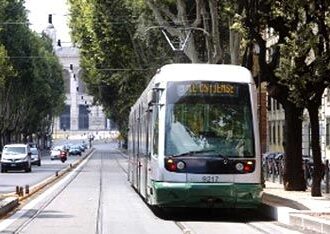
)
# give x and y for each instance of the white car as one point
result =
(57, 151)
(16, 157)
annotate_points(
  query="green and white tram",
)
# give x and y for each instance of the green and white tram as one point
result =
(193, 138)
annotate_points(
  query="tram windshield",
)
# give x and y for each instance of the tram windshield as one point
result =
(208, 119)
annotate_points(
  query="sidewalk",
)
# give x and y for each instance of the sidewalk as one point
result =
(299, 209)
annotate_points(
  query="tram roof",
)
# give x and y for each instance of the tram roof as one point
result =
(216, 72)
(200, 72)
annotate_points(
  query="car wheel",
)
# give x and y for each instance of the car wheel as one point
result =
(39, 163)
(3, 170)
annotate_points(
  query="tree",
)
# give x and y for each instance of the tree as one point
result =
(212, 28)
(29, 66)
(296, 71)
(308, 67)
(117, 58)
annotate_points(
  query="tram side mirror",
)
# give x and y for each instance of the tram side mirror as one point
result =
(152, 97)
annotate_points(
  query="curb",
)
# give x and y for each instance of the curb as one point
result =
(11, 200)
(7, 205)
(310, 223)
(281, 201)
(293, 213)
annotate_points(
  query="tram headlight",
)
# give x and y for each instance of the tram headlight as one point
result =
(239, 166)
(245, 166)
(170, 165)
(248, 166)
(180, 165)
(174, 165)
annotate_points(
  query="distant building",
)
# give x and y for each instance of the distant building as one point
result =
(80, 117)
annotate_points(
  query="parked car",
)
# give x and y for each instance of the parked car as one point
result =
(57, 152)
(35, 156)
(16, 157)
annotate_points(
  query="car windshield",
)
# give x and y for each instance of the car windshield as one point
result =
(34, 150)
(208, 118)
(14, 149)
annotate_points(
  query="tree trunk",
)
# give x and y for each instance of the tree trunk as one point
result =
(313, 111)
(234, 42)
(293, 172)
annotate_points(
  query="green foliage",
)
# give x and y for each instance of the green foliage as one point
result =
(297, 34)
(31, 82)
(117, 55)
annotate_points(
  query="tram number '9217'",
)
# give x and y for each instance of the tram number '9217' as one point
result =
(210, 179)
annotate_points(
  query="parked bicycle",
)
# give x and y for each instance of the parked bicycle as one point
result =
(309, 172)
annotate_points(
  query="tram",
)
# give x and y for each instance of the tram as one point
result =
(193, 138)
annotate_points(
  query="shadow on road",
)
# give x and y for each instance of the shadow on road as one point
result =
(209, 214)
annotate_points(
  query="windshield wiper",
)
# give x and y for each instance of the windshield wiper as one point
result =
(193, 152)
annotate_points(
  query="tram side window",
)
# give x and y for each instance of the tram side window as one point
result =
(155, 130)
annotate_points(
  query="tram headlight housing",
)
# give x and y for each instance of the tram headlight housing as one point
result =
(174, 165)
(170, 165)
(248, 166)
(239, 166)
(245, 166)
(180, 165)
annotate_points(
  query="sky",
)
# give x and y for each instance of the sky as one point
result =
(38, 16)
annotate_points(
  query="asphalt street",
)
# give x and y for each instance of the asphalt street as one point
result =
(97, 198)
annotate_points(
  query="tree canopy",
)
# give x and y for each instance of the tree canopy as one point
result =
(117, 57)
(293, 41)
(123, 42)
(31, 82)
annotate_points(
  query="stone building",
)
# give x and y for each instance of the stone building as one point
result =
(80, 117)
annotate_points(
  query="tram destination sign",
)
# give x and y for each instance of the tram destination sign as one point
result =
(212, 88)
(201, 88)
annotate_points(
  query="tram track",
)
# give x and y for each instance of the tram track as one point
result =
(99, 227)
(184, 226)
(180, 225)
(21, 212)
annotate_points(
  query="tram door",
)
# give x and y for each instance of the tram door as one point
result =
(136, 150)
(143, 155)
(138, 155)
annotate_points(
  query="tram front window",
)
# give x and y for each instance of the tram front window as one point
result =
(208, 118)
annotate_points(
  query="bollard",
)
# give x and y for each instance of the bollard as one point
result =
(21, 191)
(27, 189)
(17, 190)
(56, 173)
(327, 176)
(70, 165)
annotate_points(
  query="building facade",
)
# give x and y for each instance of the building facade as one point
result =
(276, 127)
(80, 117)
